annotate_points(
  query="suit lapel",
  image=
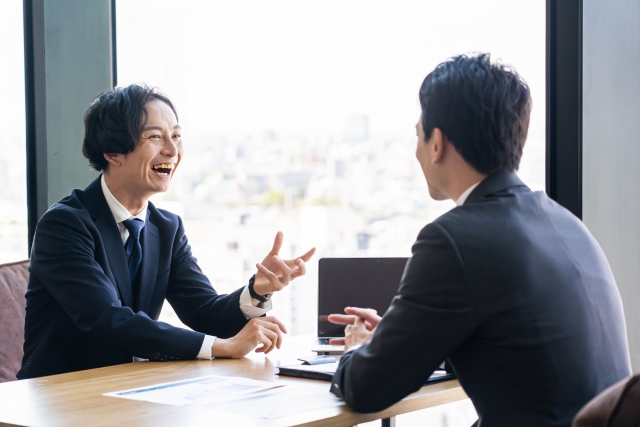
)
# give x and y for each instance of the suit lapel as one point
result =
(105, 223)
(149, 268)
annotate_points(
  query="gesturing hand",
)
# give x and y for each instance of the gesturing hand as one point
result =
(259, 330)
(361, 323)
(274, 273)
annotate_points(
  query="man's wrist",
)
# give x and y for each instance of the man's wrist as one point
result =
(352, 347)
(257, 291)
(205, 348)
(220, 348)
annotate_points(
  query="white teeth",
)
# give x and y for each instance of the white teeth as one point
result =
(161, 168)
(164, 166)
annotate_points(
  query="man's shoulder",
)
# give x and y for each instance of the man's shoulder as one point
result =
(493, 213)
(510, 220)
(68, 207)
(460, 217)
(65, 224)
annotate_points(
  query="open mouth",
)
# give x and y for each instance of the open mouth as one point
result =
(163, 169)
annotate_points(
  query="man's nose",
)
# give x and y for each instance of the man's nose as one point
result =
(170, 148)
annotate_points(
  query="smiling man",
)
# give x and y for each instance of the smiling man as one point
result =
(104, 259)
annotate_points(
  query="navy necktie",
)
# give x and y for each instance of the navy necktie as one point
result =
(132, 247)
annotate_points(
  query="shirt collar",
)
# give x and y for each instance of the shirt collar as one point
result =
(463, 196)
(119, 212)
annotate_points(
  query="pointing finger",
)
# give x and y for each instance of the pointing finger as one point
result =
(277, 243)
(306, 257)
(341, 319)
(365, 313)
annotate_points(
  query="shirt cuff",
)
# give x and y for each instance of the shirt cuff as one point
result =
(252, 307)
(354, 348)
(205, 350)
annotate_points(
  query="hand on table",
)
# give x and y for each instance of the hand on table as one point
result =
(274, 273)
(259, 330)
(361, 323)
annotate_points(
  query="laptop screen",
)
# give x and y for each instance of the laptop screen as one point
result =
(355, 282)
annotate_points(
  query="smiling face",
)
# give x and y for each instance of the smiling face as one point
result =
(148, 169)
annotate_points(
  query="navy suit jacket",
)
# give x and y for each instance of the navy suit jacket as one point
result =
(82, 311)
(517, 294)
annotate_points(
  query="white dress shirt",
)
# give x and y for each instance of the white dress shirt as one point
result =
(250, 307)
(463, 196)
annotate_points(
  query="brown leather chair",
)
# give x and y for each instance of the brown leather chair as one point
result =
(13, 285)
(617, 406)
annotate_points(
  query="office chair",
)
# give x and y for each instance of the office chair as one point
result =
(617, 406)
(13, 285)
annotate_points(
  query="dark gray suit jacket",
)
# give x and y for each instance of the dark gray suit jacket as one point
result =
(517, 294)
(82, 310)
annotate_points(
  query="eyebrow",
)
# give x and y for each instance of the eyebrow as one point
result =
(147, 128)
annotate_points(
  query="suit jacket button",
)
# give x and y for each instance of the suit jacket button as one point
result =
(156, 356)
(164, 358)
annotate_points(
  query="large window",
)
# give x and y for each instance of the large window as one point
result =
(299, 116)
(13, 163)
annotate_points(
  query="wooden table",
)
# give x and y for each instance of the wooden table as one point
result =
(76, 399)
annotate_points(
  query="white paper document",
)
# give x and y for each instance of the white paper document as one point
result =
(280, 402)
(207, 389)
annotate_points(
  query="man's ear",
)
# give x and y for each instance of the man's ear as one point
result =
(114, 159)
(437, 141)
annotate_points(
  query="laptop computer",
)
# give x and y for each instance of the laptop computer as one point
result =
(355, 282)
(326, 371)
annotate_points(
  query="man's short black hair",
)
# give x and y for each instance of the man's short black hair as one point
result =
(114, 121)
(482, 108)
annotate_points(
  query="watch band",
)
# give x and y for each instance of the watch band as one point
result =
(254, 295)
